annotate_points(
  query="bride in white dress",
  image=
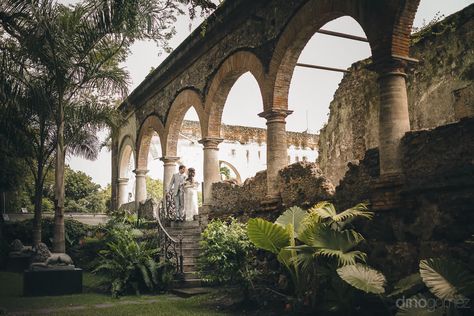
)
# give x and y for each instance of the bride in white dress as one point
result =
(190, 195)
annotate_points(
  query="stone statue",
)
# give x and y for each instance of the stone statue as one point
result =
(43, 259)
(19, 250)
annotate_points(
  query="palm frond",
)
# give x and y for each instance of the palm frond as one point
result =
(363, 278)
(294, 216)
(267, 235)
(446, 279)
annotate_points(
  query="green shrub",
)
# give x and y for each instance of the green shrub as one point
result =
(128, 264)
(226, 254)
(23, 230)
(47, 205)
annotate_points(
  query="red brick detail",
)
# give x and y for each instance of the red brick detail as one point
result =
(150, 125)
(231, 69)
(126, 149)
(182, 103)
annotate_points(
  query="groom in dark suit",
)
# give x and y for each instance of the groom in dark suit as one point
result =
(177, 191)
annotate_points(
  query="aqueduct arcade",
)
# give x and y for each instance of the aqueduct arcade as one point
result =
(264, 38)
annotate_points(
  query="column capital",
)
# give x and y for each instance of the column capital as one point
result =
(140, 172)
(275, 115)
(393, 65)
(169, 160)
(210, 142)
(122, 180)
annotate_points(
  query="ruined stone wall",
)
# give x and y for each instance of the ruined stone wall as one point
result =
(245, 135)
(435, 216)
(440, 91)
(301, 183)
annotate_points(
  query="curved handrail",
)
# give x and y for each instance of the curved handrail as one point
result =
(169, 244)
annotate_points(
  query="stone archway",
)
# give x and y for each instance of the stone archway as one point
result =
(126, 152)
(233, 168)
(148, 128)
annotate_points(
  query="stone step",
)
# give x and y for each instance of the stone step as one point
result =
(189, 283)
(185, 232)
(190, 275)
(191, 252)
(184, 224)
(189, 267)
(190, 259)
(191, 291)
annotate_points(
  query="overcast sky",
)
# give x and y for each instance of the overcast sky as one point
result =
(311, 90)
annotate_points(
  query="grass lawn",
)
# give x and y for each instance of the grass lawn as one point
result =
(93, 303)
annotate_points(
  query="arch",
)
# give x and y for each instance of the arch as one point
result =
(387, 25)
(233, 168)
(229, 71)
(181, 104)
(126, 150)
(151, 124)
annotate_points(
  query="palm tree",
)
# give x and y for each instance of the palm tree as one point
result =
(30, 116)
(80, 49)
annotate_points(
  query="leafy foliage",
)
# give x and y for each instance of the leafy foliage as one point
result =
(226, 254)
(129, 264)
(446, 279)
(267, 236)
(308, 245)
(363, 278)
(154, 188)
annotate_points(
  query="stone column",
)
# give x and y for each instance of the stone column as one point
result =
(394, 120)
(277, 151)
(169, 168)
(140, 186)
(122, 191)
(211, 172)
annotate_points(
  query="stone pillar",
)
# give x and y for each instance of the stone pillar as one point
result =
(140, 186)
(211, 172)
(122, 191)
(394, 120)
(169, 168)
(277, 150)
(114, 198)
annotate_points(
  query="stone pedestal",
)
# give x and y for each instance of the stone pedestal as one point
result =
(277, 150)
(211, 166)
(52, 282)
(140, 186)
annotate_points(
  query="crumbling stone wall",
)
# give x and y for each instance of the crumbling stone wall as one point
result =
(301, 183)
(440, 91)
(245, 134)
(436, 213)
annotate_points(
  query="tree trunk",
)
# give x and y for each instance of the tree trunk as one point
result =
(58, 238)
(2, 206)
(38, 205)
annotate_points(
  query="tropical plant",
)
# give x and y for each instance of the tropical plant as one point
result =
(128, 264)
(226, 254)
(308, 244)
(450, 285)
(79, 50)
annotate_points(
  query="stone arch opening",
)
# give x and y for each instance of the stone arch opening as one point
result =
(387, 26)
(187, 101)
(229, 72)
(313, 92)
(126, 179)
(150, 144)
(234, 173)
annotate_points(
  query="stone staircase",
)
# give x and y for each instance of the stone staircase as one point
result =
(191, 233)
